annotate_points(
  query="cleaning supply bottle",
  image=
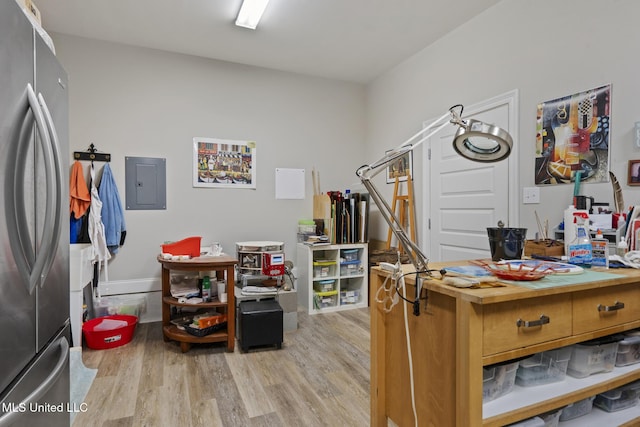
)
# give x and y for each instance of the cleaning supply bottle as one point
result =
(600, 251)
(580, 248)
(206, 289)
(621, 247)
(569, 229)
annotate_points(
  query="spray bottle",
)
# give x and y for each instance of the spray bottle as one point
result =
(580, 248)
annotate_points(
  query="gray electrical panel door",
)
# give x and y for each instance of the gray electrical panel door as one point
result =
(146, 183)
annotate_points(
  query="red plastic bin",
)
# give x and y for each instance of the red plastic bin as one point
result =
(189, 246)
(101, 340)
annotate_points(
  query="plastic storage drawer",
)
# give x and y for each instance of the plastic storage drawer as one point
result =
(593, 356)
(120, 304)
(349, 297)
(577, 409)
(552, 418)
(619, 398)
(498, 380)
(529, 422)
(349, 254)
(325, 299)
(350, 268)
(628, 351)
(324, 286)
(324, 269)
(543, 368)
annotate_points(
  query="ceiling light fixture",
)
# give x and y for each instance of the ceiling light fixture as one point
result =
(250, 13)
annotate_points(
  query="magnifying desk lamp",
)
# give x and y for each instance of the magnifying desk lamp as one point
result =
(474, 140)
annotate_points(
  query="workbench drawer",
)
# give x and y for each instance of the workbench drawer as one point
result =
(605, 307)
(521, 323)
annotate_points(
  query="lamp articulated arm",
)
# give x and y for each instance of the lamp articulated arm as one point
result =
(474, 140)
(367, 172)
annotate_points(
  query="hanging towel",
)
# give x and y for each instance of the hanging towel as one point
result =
(79, 197)
(96, 227)
(112, 213)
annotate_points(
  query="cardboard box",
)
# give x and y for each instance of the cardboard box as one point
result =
(543, 247)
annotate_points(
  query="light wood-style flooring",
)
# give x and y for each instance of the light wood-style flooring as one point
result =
(320, 377)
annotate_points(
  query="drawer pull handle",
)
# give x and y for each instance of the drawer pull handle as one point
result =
(614, 307)
(543, 320)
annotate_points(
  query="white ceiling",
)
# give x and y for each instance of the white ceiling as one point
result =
(352, 40)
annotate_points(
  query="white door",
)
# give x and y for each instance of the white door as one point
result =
(465, 197)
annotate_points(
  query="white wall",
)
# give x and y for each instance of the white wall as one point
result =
(147, 103)
(545, 49)
(140, 102)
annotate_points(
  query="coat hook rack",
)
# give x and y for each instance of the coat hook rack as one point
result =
(92, 155)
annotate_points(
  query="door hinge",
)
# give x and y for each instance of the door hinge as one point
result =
(429, 224)
(429, 153)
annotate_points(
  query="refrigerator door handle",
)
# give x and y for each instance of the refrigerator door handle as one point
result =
(55, 199)
(42, 250)
(10, 417)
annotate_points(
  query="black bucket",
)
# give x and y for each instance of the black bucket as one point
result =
(506, 243)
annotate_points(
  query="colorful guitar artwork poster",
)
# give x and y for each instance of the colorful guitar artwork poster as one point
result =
(572, 135)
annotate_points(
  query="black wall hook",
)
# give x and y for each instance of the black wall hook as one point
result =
(92, 155)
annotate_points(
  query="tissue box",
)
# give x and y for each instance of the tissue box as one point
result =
(543, 247)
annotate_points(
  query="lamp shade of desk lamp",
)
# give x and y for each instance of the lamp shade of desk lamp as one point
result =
(482, 142)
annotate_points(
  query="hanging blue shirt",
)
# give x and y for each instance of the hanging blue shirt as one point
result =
(112, 212)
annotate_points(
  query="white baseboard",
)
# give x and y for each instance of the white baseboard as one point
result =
(120, 287)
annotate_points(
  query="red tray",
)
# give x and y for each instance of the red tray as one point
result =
(189, 246)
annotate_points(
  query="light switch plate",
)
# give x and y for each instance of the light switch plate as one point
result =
(530, 195)
(637, 134)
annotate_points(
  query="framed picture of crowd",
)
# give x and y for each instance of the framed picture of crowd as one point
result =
(220, 163)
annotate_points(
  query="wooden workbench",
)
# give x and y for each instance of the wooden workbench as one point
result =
(459, 331)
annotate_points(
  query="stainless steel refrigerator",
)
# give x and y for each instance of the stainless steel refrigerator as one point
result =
(34, 228)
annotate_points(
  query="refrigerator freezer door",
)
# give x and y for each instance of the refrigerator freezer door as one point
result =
(17, 306)
(53, 290)
(40, 397)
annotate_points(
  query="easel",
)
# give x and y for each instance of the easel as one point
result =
(406, 204)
